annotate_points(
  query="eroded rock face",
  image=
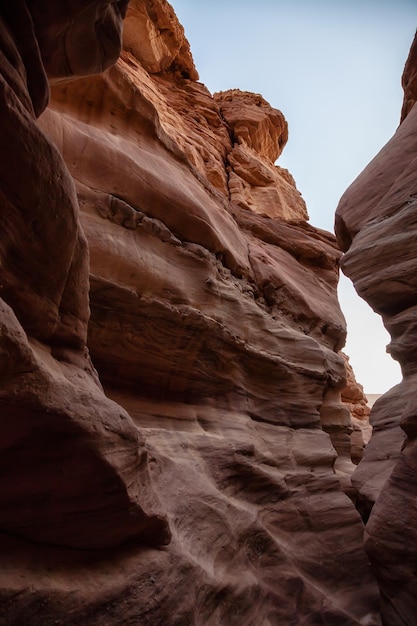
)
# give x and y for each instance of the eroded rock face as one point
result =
(67, 451)
(157, 40)
(215, 331)
(258, 134)
(376, 222)
(355, 399)
(78, 37)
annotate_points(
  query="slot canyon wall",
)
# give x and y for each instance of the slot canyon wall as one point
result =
(174, 448)
(376, 225)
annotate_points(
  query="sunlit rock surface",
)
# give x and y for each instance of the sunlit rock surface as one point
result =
(203, 488)
(376, 224)
(258, 135)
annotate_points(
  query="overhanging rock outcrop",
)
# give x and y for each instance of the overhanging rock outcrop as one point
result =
(202, 479)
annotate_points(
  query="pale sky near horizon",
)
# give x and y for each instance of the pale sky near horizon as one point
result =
(333, 67)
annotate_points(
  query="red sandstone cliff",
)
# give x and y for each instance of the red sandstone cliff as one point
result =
(376, 226)
(207, 489)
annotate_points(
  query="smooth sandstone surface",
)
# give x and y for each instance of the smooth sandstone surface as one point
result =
(196, 473)
(376, 223)
(67, 451)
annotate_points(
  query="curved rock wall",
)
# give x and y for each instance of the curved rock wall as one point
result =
(376, 223)
(201, 487)
(67, 451)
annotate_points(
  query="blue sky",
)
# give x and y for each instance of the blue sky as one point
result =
(334, 69)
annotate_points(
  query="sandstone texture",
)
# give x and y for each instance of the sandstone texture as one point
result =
(174, 445)
(67, 451)
(354, 398)
(258, 135)
(376, 224)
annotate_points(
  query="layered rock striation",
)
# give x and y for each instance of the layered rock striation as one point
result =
(193, 474)
(355, 399)
(67, 451)
(376, 224)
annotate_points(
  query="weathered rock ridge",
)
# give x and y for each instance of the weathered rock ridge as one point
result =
(193, 475)
(376, 224)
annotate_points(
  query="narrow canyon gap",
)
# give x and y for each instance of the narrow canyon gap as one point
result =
(174, 447)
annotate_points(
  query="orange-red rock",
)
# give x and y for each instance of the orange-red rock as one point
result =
(376, 225)
(154, 36)
(258, 135)
(215, 330)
